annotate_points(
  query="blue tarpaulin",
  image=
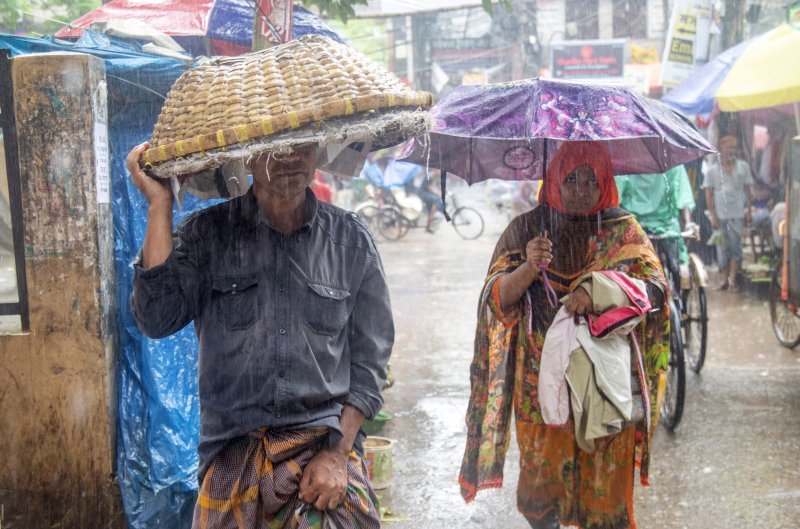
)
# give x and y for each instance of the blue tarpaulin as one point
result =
(158, 406)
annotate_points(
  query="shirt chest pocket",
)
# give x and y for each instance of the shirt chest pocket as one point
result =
(236, 301)
(326, 308)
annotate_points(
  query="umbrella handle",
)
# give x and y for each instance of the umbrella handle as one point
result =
(443, 183)
(552, 297)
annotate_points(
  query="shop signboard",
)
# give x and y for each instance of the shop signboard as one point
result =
(588, 59)
(687, 41)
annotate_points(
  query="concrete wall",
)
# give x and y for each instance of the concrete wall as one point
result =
(57, 383)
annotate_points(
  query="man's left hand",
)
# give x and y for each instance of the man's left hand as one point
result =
(324, 481)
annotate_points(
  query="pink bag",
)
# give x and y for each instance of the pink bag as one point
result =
(602, 324)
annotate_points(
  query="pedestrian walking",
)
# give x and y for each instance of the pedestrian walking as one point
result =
(577, 229)
(727, 191)
(289, 300)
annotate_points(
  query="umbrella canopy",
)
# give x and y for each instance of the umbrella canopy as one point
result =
(219, 27)
(757, 73)
(765, 74)
(509, 130)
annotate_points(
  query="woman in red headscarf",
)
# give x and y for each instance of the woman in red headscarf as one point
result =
(577, 229)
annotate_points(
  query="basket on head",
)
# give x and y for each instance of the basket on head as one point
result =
(310, 90)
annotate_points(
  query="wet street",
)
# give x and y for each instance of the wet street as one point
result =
(731, 464)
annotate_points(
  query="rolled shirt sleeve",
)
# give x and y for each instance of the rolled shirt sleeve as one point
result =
(684, 198)
(371, 339)
(166, 297)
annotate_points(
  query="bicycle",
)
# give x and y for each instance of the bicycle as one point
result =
(783, 313)
(784, 297)
(393, 221)
(688, 316)
(369, 209)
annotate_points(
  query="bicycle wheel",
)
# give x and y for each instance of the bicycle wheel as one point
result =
(468, 223)
(785, 318)
(369, 214)
(695, 324)
(672, 408)
(391, 224)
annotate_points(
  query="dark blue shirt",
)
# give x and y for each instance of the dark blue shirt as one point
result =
(291, 327)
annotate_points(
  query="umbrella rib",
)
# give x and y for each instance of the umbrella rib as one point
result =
(469, 159)
(658, 128)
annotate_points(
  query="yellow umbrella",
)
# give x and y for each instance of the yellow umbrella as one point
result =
(766, 74)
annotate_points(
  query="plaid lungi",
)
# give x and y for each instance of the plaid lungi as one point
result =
(253, 484)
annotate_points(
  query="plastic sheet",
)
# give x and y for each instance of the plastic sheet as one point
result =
(158, 403)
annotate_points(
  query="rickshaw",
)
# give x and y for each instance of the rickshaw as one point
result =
(784, 297)
(688, 325)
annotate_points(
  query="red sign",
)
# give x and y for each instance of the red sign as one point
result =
(273, 23)
(588, 59)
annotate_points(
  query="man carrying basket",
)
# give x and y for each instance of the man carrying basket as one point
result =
(287, 294)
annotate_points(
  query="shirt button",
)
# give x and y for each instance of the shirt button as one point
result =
(283, 289)
(282, 331)
(281, 373)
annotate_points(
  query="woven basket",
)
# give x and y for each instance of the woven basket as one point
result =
(308, 90)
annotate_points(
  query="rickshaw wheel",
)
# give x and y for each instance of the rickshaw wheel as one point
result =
(672, 407)
(695, 323)
(785, 317)
(391, 224)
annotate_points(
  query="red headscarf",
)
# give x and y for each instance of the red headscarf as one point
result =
(570, 156)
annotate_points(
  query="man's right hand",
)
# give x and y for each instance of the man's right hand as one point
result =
(156, 191)
(158, 237)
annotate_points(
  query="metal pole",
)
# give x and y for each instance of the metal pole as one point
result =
(796, 107)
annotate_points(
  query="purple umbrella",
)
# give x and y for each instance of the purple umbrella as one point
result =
(508, 130)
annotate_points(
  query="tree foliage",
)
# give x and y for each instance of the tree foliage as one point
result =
(27, 15)
(341, 9)
(488, 5)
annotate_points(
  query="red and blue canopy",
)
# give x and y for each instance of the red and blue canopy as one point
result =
(202, 27)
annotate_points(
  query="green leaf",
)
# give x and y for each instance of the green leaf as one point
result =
(488, 5)
(341, 9)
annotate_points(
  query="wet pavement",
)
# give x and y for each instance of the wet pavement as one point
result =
(731, 464)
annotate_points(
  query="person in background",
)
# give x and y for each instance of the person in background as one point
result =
(523, 198)
(661, 203)
(727, 191)
(426, 190)
(771, 161)
(290, 304)
(577, 228)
